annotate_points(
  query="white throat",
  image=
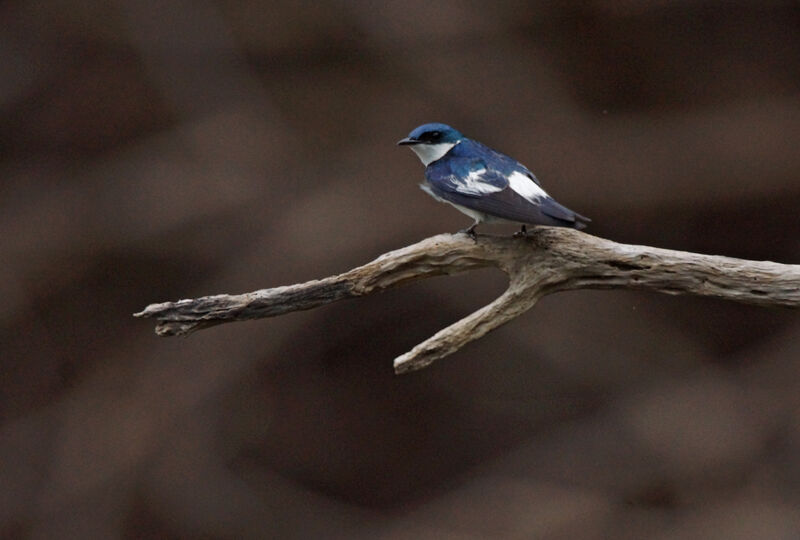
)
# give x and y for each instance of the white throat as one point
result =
(428, 153)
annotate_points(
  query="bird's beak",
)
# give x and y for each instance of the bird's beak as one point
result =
(406, 141)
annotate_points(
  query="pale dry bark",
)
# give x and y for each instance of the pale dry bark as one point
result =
(547, 261)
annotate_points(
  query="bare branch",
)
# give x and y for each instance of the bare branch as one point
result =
(549, 260)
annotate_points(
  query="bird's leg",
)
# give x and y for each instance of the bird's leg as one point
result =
(470, 231)
(522, 233)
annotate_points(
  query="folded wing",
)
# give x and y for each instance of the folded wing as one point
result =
(475, 184)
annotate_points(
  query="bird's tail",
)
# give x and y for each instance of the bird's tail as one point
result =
(581, 222)
(561, 215)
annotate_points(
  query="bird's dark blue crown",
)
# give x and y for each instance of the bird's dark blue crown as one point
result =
(435, 133)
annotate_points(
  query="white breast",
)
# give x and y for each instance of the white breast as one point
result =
(428, 153)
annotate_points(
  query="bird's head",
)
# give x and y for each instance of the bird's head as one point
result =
(431, 141)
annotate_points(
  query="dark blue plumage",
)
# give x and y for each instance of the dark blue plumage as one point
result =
(483, 183)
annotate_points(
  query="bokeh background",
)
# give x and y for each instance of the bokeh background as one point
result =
(156, 150)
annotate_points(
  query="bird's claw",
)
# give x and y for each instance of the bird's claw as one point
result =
(470, 231)
(522, 233)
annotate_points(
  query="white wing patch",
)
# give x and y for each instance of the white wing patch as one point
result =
(525, 187)
(472, 184)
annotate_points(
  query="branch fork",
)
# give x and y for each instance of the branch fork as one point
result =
(548, 260)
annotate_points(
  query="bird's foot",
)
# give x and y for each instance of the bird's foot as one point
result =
(470, 231)
(522, 233)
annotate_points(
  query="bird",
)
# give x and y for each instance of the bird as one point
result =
(486, 185)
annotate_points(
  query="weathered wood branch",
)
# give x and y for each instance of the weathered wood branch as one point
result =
(547, 261)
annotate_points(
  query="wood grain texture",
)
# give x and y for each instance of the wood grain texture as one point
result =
(547, 261)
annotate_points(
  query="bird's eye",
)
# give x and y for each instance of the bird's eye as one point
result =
(435, 134)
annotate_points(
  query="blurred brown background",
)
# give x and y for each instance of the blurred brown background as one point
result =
(156, 150)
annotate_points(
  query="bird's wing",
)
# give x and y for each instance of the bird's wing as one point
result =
(503, 163)
(470, 182)
(467, 176)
